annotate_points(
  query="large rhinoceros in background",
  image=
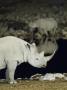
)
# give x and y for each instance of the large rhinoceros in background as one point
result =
(14, 51)
(44, 33)
(44, 25)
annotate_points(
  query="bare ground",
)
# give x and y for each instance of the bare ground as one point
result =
(35, 85)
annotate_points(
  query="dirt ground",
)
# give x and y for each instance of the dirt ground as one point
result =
(35, 85)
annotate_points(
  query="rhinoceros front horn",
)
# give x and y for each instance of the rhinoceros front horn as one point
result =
(48, 58)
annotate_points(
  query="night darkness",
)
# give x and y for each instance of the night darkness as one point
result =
(58, 62)
(14, 2)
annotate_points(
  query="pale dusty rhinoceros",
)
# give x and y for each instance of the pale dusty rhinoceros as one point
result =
(14, 51)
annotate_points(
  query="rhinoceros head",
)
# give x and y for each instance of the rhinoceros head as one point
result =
(38, 59)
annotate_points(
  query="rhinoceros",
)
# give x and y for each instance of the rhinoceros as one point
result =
(14, 51)
(44, 25)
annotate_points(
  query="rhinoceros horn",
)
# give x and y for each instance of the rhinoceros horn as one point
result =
(48, 58)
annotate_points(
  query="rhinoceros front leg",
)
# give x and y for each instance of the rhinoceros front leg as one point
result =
(11, 67)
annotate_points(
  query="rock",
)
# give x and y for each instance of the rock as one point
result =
(52, 76)
(35, 76)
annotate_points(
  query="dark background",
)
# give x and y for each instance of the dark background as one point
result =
(14, 2)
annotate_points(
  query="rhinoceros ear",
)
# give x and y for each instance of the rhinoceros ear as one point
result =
(34, 48)
(42, 54)
(33, 45)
